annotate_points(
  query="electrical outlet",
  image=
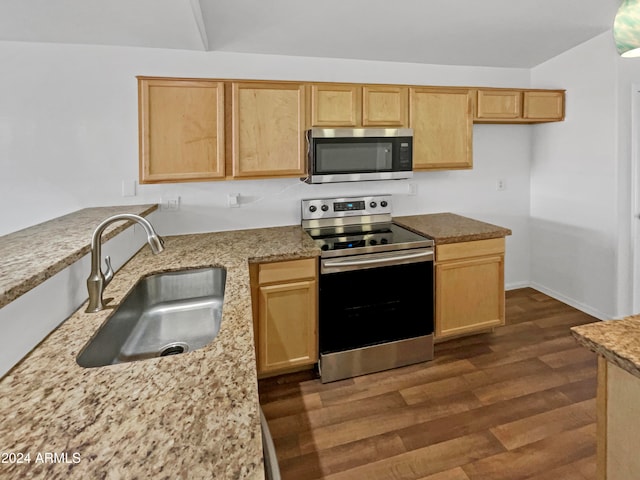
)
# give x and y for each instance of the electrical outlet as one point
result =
(501, 184)
(413, 189)
(170, 203)
(128, 188)
(233, 200)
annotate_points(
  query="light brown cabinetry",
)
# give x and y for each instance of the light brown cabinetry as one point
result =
(267, 128)
(519, 106)
(285, 305)
(618, 414)
(442, 122)
(543, 105)
(469, 287)
(352, 105)
(335, 105)
(384, 106)
(181, 130)
(498, 104)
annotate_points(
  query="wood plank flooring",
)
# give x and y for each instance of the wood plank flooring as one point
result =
(514, 404)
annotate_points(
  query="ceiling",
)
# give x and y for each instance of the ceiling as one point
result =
(496, 33)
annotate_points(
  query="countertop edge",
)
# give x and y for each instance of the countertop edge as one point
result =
(66, 259)
(611, 356)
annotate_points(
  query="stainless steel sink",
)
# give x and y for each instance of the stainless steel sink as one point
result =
(164, 314)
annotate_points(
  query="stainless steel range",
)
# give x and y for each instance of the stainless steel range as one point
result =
(376, 287)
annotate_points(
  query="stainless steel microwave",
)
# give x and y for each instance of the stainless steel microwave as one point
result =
(357, 154)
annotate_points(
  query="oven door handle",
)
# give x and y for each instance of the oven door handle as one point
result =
(329, 266)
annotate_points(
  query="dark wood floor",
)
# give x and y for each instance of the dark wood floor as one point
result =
(518, 403)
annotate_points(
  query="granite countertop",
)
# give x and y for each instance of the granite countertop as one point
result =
(451, 228)
(616, 340)
(191, 416)
(32, 255)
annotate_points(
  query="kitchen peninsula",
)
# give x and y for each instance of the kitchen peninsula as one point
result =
(194, 414)
(617, 343)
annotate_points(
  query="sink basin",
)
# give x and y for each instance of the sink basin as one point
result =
(164, 314)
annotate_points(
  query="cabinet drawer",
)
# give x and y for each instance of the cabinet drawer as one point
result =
(286, 271)
(477, 248)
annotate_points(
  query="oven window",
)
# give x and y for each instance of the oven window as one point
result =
(364, 155)
(368, 307)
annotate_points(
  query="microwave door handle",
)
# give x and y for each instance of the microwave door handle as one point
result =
(385, 259)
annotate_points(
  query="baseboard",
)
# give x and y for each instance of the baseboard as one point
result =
(516, 285)
(571, 302)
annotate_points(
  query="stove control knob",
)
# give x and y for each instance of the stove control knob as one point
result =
(325, 247)
(383, 203)
(373, 204)
(384, 241)
(313, 208)
(373, 242)
(324, 208)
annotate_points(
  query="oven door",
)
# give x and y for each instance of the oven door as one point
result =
(371, 306)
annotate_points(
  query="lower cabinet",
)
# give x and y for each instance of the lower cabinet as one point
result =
(469, 287)
(618, 421)
(285, 306)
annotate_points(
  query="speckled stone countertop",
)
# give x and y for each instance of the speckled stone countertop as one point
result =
(189, 416)
(451, 228)
(32, 255)
(616, 340)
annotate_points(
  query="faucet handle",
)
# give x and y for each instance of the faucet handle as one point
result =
(109, 273)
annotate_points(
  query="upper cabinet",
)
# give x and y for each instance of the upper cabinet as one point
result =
(213, 129)
(543, 106)
(384, 106)
(335, 105)
(442, 122)
(519, 106)
(181, 130)
(268, 127)
(500, 104)
(351, 105)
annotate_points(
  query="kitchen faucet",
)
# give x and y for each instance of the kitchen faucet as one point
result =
(97, 281)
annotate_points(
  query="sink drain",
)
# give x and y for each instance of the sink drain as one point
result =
(173, 349)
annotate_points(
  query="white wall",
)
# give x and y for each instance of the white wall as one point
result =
(68, 138)
(574, 181)
(31, 317)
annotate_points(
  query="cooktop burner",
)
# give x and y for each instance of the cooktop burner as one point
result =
(357, 225)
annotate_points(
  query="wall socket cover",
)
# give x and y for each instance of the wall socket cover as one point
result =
(170, 203)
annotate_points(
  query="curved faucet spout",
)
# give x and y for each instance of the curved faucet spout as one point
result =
(97, 280)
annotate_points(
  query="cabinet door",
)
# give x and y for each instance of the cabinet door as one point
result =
(469, 295)
(287, 330)
(442, 123)
(268, 123)
(384, 106)
(181, 130)
(335, 105)
(547, 105)
(469, 286)
(498, 104)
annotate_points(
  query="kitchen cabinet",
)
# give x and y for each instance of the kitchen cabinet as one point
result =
(335, 105)
(353, 105)
(181, 128)
(384, 106)
(442, 122)
(285, 306)
(543, 105)
(498, 104)
(469, 287)
(519, 106)
(618, 414)
(268, 122)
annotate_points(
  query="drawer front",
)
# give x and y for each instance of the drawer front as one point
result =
(477, 248)
(285, 271)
